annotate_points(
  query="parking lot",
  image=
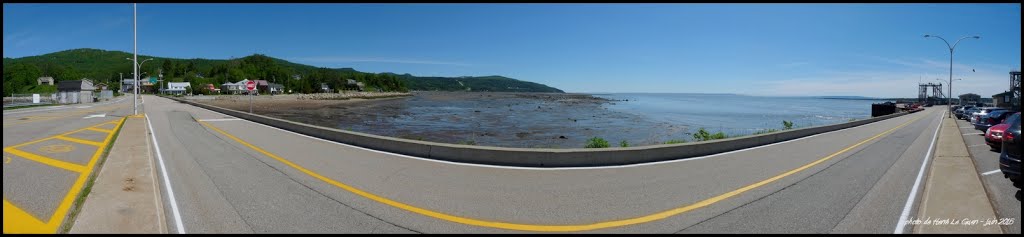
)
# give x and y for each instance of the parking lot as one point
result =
(1004, 196)
(43, 177)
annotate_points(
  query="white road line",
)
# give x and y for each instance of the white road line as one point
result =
(167, 181)
(977, 133)
(220, 120)
(917, 183)
(540, 169)
(991, 172)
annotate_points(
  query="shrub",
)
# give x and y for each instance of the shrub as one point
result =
(675, 141)
(786, 125)
(597, 142)
(704, 135)
(763, 131)
(623, 143)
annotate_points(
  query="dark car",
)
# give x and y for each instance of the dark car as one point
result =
(1009, 160)
(994, 135)
(962, 110)
(992, 118)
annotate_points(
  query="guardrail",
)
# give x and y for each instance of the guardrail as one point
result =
(530, 157)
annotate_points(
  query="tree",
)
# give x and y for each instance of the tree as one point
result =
(19, 76)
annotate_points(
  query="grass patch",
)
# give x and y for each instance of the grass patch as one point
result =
(704, 135)
(676, 141)
(597, 142)
(76, 207)
(28, 106)
(764, 131)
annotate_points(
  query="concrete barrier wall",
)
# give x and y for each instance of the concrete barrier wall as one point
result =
(529, 157)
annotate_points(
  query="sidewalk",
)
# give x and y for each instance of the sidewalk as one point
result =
(954, 200)
(125, 198)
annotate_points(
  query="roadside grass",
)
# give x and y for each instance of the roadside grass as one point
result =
(597, 142)
(76, 207)
(28, 106)
(676, 141)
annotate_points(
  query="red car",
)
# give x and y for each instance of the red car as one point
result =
(994, 135)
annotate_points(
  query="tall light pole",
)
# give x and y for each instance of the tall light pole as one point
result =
(951, 61)
(135, 55)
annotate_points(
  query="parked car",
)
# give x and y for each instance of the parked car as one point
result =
(992, 119)
(976, 116)
(959, 112)
(994, 135)
(967, 113)
(1009, 160)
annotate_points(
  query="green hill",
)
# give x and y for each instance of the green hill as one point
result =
(104, 66)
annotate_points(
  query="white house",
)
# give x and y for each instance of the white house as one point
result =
(177, 88)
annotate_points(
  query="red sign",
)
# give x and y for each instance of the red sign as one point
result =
(251, 85)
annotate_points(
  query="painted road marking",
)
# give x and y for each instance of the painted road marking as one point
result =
(536, 168)
(99, 130)
(95, 116)
(46, 160)
(901, 223)
(553, 228)
(220, 120)
(34, 119)
(991, 172)
(57, 148)
(17, 221)
(76, 140)
(977, 133)
(167, 181)
(7, 160)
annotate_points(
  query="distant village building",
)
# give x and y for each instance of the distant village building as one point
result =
(351, 84)
(127, 85)
(211, 89)
(276, 89)
(325, 88)
(297, 77)
(45, 81)
(1003, 100)
(177, 88)
(75, 92)
(234, 88)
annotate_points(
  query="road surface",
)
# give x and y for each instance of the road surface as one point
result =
(234, 176)
(48, 154)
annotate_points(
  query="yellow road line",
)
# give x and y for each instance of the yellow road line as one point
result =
(16, 223)
(99, 130)
(46, 160)
(19, 221)
(76, 140)
(551, 228)
(63, 134)
(63, 115)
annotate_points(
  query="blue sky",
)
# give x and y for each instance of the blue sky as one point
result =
(757, 49)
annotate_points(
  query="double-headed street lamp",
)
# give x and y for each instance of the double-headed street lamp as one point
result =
(951, 61)
(135, 97)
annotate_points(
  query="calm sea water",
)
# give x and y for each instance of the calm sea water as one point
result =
(739, 114)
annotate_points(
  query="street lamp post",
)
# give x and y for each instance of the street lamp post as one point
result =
(951, 60)
(135, 56)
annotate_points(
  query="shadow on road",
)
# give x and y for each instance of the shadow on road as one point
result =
(1018, 195)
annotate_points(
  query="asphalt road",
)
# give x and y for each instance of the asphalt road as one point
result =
(1004, 196)
(235, 176)
(48, 153)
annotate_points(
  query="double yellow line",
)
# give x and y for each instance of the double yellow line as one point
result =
(554, 228)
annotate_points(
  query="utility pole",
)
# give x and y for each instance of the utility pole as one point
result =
(135, 56)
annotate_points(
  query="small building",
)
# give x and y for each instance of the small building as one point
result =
(127, 85)
(177, 88)
(75, 92)
(211, 89)
(276, 89)
(102, 86)
(354, 85)
(1003, 100)
(262, 86)
(232, 88)
(324, 88)
(45, 81)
